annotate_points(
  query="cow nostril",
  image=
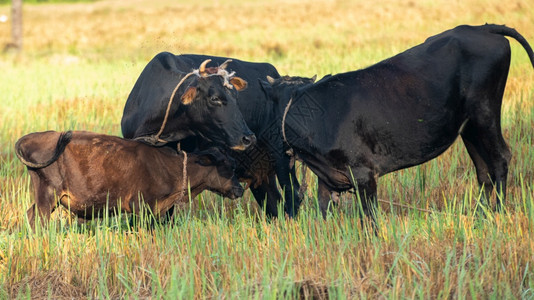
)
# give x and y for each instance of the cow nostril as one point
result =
(238, 191)
(249, 140)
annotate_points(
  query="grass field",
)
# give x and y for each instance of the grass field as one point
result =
(81, 60)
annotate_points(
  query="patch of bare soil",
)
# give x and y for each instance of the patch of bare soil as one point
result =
(47, 285)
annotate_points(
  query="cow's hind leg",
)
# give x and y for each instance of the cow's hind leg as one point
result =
(482, 133)
(491, 156)
(483, 173)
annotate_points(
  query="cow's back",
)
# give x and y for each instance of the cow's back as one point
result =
(149, 94)
(115, 161)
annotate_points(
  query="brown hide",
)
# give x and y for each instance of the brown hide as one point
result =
(94, 170)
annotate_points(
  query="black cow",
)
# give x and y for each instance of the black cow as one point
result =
(206, 106)
(353, 127)
(261, 164)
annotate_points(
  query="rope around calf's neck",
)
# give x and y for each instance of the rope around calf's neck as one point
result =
(182, 191)
(184, 176)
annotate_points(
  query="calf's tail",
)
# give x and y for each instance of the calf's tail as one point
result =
(507, 31)
(62, 142)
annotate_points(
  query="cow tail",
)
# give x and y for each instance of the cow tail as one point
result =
(507, 31)
(62, 142)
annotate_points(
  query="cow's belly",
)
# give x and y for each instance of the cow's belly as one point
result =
(130, 202)
(412, 152)
(84, 205)
(384, 150)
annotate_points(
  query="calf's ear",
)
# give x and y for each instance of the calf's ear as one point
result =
(205, 160)
(239, 83)
(210, 157)
(189, 95)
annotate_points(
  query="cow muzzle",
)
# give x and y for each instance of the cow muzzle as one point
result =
(237, 191)
(246, 141)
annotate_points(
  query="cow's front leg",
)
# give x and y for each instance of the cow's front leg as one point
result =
(45, 201)
(289, 183)
(267, 196)
(327, 197)
(365, 181)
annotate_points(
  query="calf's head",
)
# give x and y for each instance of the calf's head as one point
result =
(220, 177)
(212, 107)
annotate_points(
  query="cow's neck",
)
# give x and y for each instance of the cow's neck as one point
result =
(178, 132)
(262, 118)
(299, 132)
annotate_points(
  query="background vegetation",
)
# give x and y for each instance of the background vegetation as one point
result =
(44, 1)
(81, 60)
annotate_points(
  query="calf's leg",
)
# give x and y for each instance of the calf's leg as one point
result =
(44, 201)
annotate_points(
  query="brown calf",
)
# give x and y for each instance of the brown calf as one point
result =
(89, 172)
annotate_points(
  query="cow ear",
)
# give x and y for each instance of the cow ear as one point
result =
(314, 78)
(267, 88)
(189, 95)
(206, 160)
(239, 83)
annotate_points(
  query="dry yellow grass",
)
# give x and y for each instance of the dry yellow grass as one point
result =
(302, 37)
(79, 64)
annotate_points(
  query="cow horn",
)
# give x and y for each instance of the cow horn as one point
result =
(202, 69)
(270, 79)
(225, 64)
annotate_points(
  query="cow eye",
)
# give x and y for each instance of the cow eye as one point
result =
(216, 101)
